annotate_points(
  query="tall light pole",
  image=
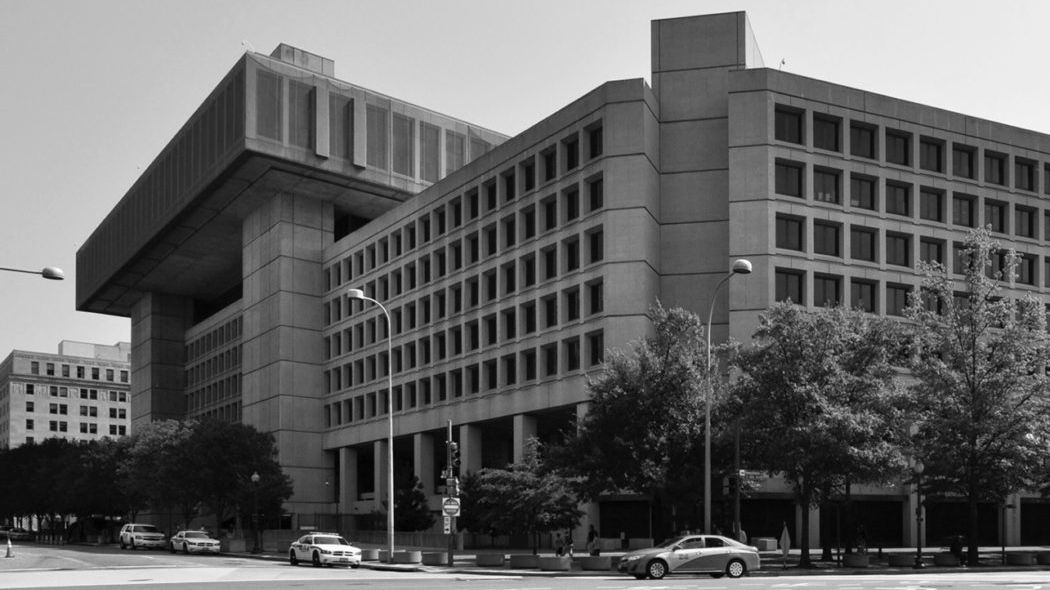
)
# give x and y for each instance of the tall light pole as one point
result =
(741, 267)
(255, 512)
(919, 468)
(48, 272)
(359, 295)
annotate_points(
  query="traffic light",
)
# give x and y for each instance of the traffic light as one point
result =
(453, 455)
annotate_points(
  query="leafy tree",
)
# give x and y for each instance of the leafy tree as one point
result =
(525, 498)
(981, 390)
(817, 402)
(411, 512)
(644, 430)
(156, 467)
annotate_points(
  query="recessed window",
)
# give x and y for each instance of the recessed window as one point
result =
(964, 162)
(596, 192)
(863, 243)
(898, 249)
(571, 148)
(995, 168)
(789, 232)
(898, 199)
(1026, 269)
(826, 132)
(931, 250)
(571, 198)
(896, 299)
(827, 290)
(931, 154)
(827, 238)
(1024, 221)
(788, 125)
(790, 285)
(594, 141)
(1024, 174)
(862, 192)
(826, 185)
(963, 210)
(596, 245)
(863, 295)
(898, 147)
(931, 204)
(862, 140)
(788, 179)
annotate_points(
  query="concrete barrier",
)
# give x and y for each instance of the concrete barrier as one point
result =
(490, 559)
(408, 556)
(1043, 558)
(1023, 558)
(856, 560)
(435, 557)
(945, 560)
(765, 543)
(901, 559)
(522, 562)
(595, 563)
(369, 555)
(555, 564)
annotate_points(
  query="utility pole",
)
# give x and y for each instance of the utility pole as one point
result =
(451, 491)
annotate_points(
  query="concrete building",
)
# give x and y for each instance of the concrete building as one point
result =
(510, 264)
(82, 393)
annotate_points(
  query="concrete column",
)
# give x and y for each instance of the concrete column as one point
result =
(283, 243)
(1013, 520)
(423, 460)
(524, 428)
(379, 471)
(469, 449)
(158, 357)
(348, 489)
(814, 528)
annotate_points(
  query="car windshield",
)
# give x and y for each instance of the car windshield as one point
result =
(195, 535)
(330, 541)
(144, 528)
(670, 542)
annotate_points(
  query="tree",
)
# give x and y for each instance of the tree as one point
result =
(981, 391)
(644, 430)
(156, 467)
(525, 498)
(411, 512)
(817, 402)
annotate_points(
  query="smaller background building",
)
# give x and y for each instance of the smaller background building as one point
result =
(81, 393)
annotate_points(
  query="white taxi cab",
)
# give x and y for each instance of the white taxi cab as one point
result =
(324, 549)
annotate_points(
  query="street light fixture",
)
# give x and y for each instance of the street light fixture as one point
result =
(359, 295)
(742, 267)
(256, 548)
(48, 272)
(919, 468)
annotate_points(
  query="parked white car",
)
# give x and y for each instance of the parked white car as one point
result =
(193, 542)
(141, 535)
(324, 549)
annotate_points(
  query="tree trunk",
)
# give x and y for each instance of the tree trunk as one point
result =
(972, 554)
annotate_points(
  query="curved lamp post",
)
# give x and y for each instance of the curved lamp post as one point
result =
(359, 295)
(255, 511)
(919, 468)
(48, 272)
(740, 267)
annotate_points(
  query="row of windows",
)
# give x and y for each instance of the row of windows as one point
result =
(92, 411)
(85, 428)
(548, 312)
(81, 371)
(215, 365)
(85, 393)
(831, 238)
(567, 256)
(229, 413)
(903, 148)
(898, 198)
(218, 337)
(508, 370)
(498, 236)
(212, 393)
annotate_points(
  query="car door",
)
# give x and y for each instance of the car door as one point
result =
(686, 555)
(298, 547)
(715, 555)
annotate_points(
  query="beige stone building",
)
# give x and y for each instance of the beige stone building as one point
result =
(510, 264)
(82, 393)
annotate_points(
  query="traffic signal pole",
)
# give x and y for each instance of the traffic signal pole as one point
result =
(451, 490)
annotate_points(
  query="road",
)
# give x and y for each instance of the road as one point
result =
(107, 567)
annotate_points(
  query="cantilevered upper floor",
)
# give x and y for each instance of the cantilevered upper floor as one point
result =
(273, 123)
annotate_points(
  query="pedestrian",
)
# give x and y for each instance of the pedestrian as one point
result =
(592, 542)
(559, 546)
(568, 544)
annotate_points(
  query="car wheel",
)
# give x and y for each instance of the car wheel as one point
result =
(656, 569)
(292, 558)
(316, 559)
(355, 565)
(717, 575)
(639, 576)
(133, 544)
(735, 568)
(171, 547)
(122, 544)
(185, 548)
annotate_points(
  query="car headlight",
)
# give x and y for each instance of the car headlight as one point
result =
(326, 552)
(632, 557)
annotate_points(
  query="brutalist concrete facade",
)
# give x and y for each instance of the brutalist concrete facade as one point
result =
(510, 264)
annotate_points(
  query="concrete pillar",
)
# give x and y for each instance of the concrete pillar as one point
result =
(524, 428)
(1013, 520)
(814, 529)
(379, 470)
(283, 243)
(158, 357)
(469, 449)
(348, 489)
(423, 460)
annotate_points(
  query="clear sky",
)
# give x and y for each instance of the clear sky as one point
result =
(92, 90)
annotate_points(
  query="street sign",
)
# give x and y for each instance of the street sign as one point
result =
(450, 506)
(448, 524)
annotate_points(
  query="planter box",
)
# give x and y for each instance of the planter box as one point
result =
(519, 562)
(595, 563)
(945, 560)
(856, 560)
(229, 545)
(1043, 558)
(555, 564)
(765, 543)
(384, 555)
(1020, 558)
(435, 558)
(901, 559)
(408, 556)
(491, 559)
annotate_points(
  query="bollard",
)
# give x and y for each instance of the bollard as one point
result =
(9, 552)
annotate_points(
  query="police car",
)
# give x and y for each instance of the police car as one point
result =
(324, 549)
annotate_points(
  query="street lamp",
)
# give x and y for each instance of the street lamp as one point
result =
(48, 272)
(742, 267)
(359, 295)
(255, 512)
(919, 468)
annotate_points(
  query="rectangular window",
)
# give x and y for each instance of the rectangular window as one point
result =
(1026, 269)
(550, 311)
(550, 360)
(596, 241)
(995, 168)
(826, 185)
(596, 190)
(931, 154)
(862, 192)
(826, 132)
(898, 147)
(995, 215)
(898, 249)
(550, 213)
(788, 179)
(455, 151)
(595, 297)
(963, 210)
(594, 141)
(429, 151)
(571, 148)
(898, 199)
(572, 203)
(1024, 174)
(528, 174)
(931, 204)
(827, 290)
(863, 243)
(862, 140)
(572, 304)
(787, 125)
(963, 161)
(896, 299)
(550, 262)
(789, 232)
(572, 354)
(826, 238)
(550, 164)
(862, 295)
(377, 136)
(596, 345)
(1024, 221)
(931, 250)
(789, 285)
(403, 136)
